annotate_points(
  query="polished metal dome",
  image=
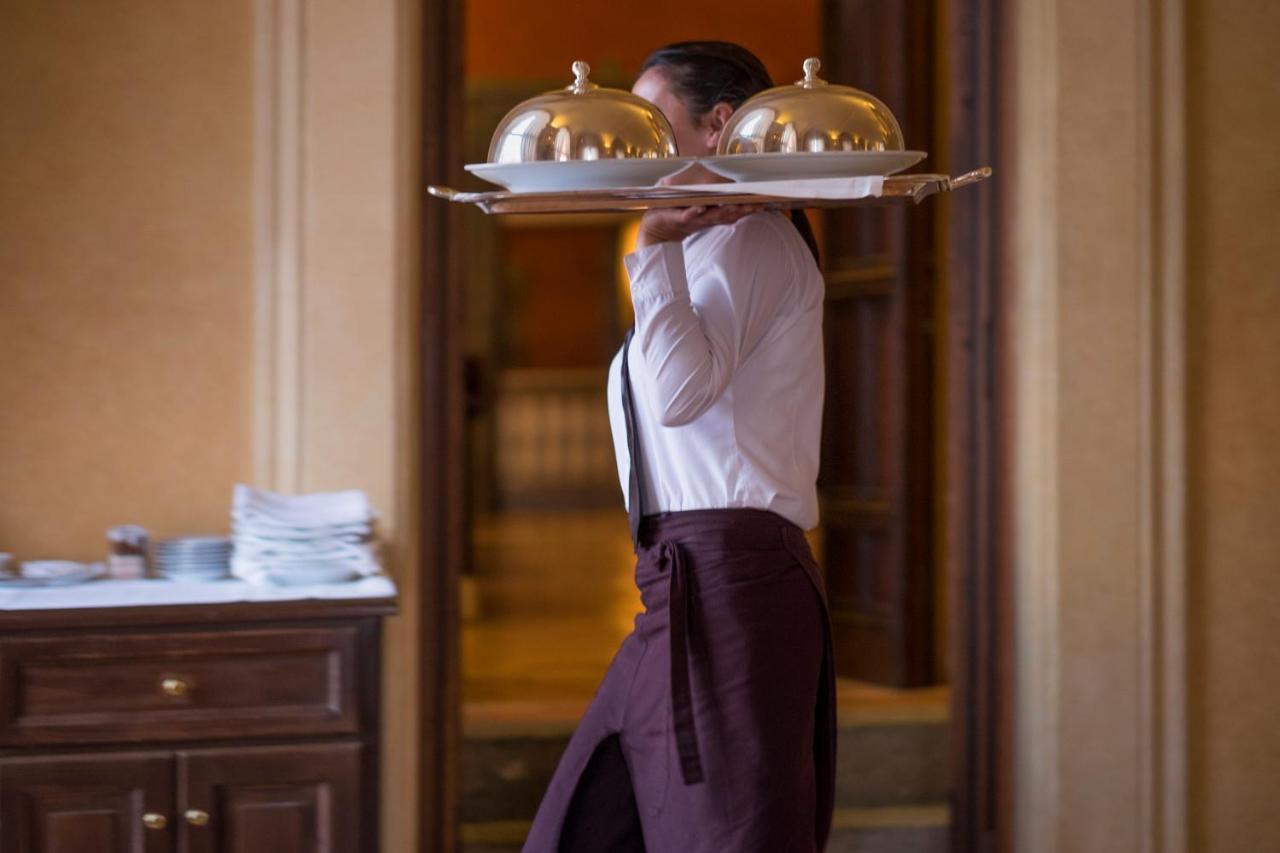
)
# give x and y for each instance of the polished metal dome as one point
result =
(811, 116)
(583, 121)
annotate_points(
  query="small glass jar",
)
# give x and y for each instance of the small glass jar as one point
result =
(127, 552)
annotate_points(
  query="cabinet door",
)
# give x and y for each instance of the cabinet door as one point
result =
(279, 799)
(106, 803)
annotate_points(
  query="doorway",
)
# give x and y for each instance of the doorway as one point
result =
(481, 507)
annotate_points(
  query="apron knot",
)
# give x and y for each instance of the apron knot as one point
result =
(667, 554)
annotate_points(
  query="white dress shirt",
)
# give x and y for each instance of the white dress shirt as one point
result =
(727, 371)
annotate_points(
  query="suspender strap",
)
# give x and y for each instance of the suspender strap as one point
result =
(635, 488)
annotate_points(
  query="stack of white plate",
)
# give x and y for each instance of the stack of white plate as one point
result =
(193, 557)
(302, 540)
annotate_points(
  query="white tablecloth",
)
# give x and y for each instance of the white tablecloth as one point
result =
(144, 593)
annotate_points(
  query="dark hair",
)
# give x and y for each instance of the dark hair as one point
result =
(706, 73)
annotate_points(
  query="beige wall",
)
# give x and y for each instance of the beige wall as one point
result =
(207, 276)
(126, 257)
(1234, 419)
(1078, 187)
(1147, 222)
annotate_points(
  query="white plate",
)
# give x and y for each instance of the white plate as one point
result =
(57, 570)
(811, 164)
(179, 568)
(195, 576)
(311, 577)
(192, 568)
(578, 174)
(192, 553)
(221, 554)
(55, 575)
(202, 541)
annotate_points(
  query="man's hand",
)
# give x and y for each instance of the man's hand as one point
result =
(673, 224)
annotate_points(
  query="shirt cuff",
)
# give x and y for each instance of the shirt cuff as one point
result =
(657, 272)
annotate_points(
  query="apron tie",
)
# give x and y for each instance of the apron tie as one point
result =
(680, 613)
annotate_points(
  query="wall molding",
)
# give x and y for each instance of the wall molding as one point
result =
(278, 187)
(1164, 471)
(1037, 637)
(337, 377)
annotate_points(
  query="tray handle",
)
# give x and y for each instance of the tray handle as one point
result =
(969, 178)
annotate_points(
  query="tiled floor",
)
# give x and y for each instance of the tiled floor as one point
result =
(554, 597)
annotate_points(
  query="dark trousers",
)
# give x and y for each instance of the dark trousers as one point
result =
(602, 816)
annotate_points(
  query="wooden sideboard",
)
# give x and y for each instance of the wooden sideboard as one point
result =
(233, 728)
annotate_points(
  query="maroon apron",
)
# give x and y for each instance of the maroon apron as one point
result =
(722, 698)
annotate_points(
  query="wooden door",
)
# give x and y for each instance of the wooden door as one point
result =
(106, 803)
(286, 799)
(878, 470)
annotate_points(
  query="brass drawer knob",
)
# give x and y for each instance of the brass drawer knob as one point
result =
(196, 817)
(151, 820)
(175, 687)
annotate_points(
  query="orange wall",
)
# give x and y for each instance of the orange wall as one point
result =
(512, 39)
(564, 312)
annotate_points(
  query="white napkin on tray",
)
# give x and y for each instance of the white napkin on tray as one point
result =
(869, 186)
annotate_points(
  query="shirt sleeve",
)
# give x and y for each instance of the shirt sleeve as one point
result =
(693, 335)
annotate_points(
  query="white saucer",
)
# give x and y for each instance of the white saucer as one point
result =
(552, 176)
(811, 164)
(54, 573)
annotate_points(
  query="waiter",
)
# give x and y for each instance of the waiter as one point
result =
(714, 728)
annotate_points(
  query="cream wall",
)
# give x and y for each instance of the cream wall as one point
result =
(1233, 101)
(1080, 338)
(1146, 219)
(207, 276)
(126, 264)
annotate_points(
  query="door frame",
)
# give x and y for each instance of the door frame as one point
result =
(979, 416)
(976, 260)
(440, 413)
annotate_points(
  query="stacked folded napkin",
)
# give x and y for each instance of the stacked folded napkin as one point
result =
(294, 540)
